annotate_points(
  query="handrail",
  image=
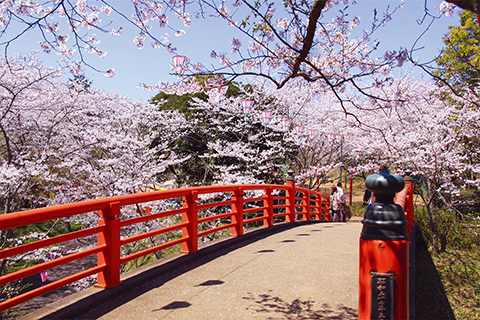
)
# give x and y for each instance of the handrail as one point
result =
(311, 205)
(405, 199)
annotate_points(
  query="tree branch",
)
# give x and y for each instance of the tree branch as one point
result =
(315, 12)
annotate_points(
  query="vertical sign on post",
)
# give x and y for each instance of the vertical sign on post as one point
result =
(383, 285)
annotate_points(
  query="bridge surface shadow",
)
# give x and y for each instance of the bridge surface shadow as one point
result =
(298, 308)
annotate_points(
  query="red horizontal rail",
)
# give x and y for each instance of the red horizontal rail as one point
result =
(148, 251)
(154, 233)
(150, 217)
(283, 214)
(215, 217)
(110, 225)
(48, 265)
(50, 287)
(214, 204)
(10, 252)
(250, 210)
(255, 199)
(255, 219)
(213, 230)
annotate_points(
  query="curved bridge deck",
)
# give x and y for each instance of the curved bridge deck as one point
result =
(300, 271)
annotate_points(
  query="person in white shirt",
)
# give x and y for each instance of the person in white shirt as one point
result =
(342, 197)
(335, 205)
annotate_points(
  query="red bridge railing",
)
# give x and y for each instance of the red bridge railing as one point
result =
(405, 199)
(278, 203)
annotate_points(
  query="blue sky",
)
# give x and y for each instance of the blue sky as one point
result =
(133, 66)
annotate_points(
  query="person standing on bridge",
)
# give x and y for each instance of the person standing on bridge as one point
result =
(343, 210)
(335, 203)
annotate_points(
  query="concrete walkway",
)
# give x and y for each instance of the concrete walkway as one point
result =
(309, 271)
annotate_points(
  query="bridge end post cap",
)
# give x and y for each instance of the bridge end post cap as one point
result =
(384, 183)
(408, 176)
(291, 176)
(383, 219)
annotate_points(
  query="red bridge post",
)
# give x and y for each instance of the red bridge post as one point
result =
(190, 232)
(409, 203)
(268, 203)
(110, 256)
(237, 210)
(384, 259)
(290, 217)
(409, 213)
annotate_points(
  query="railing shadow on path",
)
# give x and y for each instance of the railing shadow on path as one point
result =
(300, 309)
(95, 302)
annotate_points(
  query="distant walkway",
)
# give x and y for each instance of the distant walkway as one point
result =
(309, 271)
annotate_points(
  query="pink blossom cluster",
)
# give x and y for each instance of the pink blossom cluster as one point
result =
(446, 8)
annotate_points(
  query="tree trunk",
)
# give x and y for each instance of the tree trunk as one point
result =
(433, 226)
(68, 227)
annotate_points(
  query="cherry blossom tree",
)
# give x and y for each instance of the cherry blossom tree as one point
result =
(48, 128)
(252, 148)
(314, 119)
(60, 144)
(228, 143)
(428, 134)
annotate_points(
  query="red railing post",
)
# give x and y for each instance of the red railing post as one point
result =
(324, 213)
(384, 253)
(190, 232)
(411, 237)
(351, 191)
(290, 202)
(237, 210)
(110, 277)
(319, 206)
(409, 203)
(316, 209)
(306, 199)
(268, 202)
(330, 218)
(318, 202)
